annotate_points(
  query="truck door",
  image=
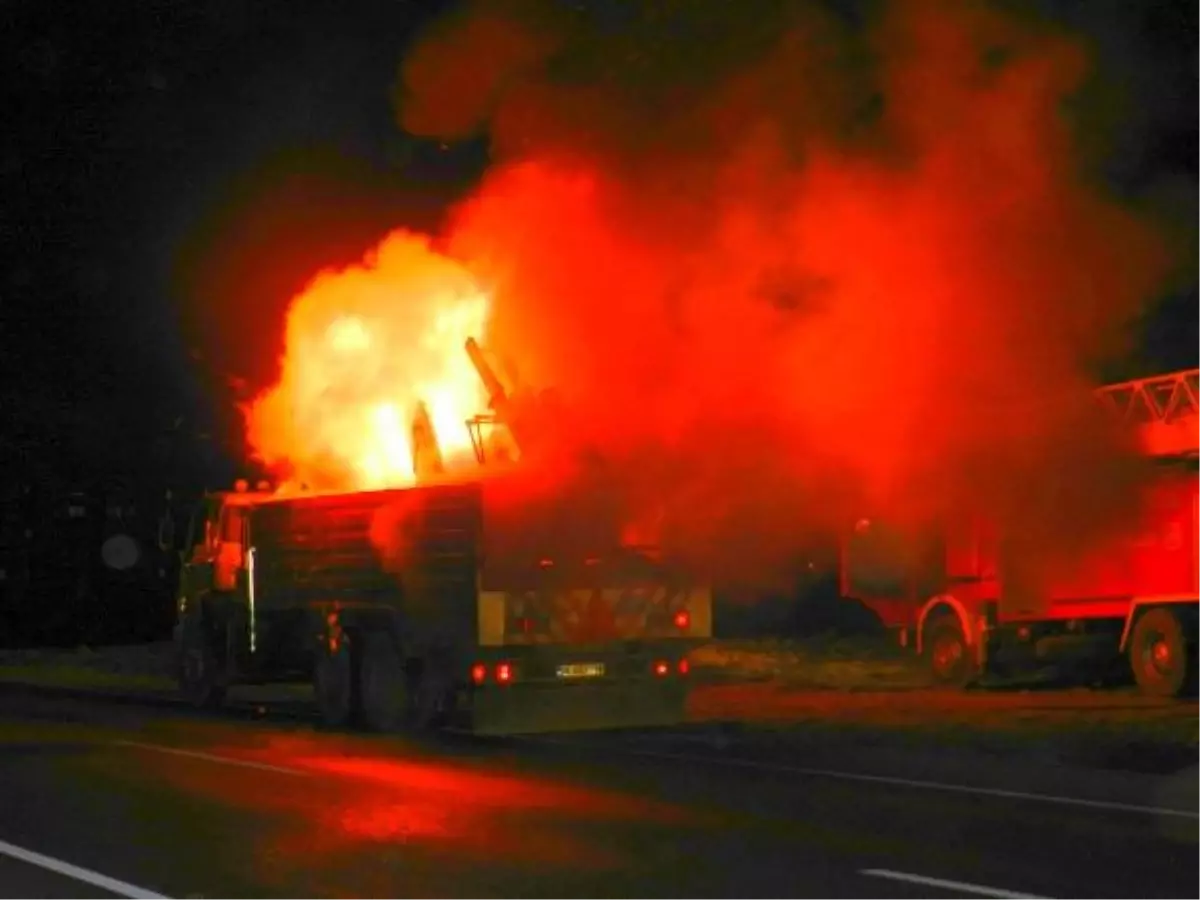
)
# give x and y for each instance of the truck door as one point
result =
(197, 553)
(201, 533)
(230, 549)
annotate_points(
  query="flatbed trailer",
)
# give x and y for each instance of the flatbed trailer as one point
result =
(1129, 606)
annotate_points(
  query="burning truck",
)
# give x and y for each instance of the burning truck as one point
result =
(490, 599)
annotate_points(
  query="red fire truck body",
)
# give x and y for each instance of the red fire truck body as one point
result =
(957, 599)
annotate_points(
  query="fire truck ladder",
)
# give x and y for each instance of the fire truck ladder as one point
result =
(1164, 408)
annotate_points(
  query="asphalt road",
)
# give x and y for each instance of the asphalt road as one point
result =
(104, 800)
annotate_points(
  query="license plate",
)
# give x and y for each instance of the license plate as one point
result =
(581, 670)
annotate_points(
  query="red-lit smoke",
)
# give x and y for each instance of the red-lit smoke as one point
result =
(783, 265)
(781, 269)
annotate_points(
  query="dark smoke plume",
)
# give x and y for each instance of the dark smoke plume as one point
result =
(792, 265)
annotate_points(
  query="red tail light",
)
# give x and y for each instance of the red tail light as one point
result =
(661, 668)
(504, 672)
(684, 667)
(479, 673)
(683, 619)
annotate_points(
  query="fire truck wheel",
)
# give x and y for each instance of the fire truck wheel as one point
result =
(199, 669)
(1163, 663)
(333, 684)
(948, 652)
(382, 683)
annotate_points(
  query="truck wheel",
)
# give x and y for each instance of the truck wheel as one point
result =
(199, 670)
(1163, 663)
(431, 697)
(333, 684)
(949, 654)
(382, 683)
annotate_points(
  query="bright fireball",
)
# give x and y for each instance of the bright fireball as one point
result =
(363, 346)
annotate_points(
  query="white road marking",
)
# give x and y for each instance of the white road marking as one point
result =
(920, 784)
(959, 887)
(77, 873)
(214, 758)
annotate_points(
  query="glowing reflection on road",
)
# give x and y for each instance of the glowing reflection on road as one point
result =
(383, 817)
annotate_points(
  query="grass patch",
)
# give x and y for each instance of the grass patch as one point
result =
(137, 667)
(1106, 729)
(137, 659)
(78, 677)
(821, 663)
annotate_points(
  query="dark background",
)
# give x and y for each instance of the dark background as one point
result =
(152, 145)
(162, 159)
(157, 153)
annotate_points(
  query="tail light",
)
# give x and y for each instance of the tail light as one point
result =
(683, 619)
(503, 673)
(684, 667)
(661, 669)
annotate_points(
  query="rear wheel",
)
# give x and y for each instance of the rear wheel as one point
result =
(1163, 661)
(431, 694)
(382, 683)
(948, 653)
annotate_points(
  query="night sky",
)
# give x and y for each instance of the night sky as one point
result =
(157, 152)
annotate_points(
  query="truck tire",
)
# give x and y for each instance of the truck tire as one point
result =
(1162, 659)
(948, 653)
(334, 684)
(382, 683)
(431, 699)
(200, 680)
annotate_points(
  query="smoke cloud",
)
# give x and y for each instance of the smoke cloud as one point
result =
(789, 267)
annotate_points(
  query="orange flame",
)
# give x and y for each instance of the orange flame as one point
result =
(363, 347)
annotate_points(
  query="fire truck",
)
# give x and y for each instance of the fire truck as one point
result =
(480, 604)
(1132, 606)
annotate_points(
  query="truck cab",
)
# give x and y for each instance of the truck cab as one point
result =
(211, 604)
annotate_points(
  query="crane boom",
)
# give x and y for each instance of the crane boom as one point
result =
(519, 412)
(497, 396)
(1164, 408)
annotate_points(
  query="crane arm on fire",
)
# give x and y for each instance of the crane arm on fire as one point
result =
(1165, 409)
(513, 412)
(497, 395)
